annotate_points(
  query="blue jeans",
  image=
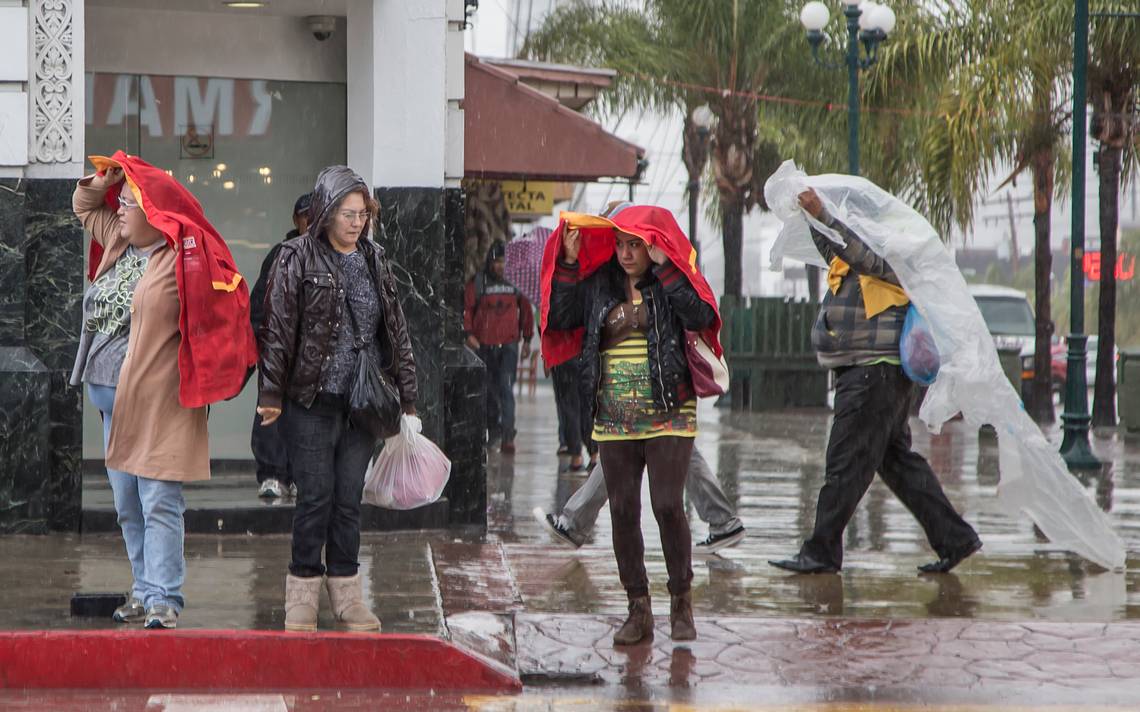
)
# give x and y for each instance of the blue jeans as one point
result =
(150, 515)
(502, 364)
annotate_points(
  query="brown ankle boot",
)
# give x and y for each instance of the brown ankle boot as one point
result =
(681, 617)
(639, 625)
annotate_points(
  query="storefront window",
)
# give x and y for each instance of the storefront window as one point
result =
(246, 148)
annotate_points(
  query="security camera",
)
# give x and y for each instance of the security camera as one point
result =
(322, 26)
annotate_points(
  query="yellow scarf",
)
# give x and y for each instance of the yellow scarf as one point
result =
(878, 296)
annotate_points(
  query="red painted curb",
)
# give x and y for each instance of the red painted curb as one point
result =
(241, 660)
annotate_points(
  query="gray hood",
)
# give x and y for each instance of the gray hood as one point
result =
(333, 184)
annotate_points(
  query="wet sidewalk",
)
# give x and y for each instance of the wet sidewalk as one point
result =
(1018, 616)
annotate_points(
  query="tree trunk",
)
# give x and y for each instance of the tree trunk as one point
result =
(733, 149)
(732, 232)
(1104, 394)
(694, 205)
(1041, 389)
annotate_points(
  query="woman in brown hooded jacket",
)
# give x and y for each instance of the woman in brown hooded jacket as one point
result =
(330, 294)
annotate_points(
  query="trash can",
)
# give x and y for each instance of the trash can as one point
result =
(1128, 390)
(1010, 359)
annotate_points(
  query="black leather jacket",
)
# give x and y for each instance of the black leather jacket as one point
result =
(303, 308)
(673, 306)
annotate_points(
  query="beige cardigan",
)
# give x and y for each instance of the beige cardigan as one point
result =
(152, 435)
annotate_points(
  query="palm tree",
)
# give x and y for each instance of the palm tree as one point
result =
(675, 54)
(1114, 74)
(999, 70)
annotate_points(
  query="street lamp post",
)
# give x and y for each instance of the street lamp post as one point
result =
(1075, 448)
(702, 119)
(867, 23)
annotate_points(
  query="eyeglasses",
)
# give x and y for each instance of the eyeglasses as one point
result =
(127, 203)
(350, 216)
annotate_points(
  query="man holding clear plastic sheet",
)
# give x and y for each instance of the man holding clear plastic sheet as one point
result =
(857, 335)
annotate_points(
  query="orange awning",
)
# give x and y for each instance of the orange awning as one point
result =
(512, 131)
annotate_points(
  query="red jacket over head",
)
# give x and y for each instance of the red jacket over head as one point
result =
(218, 347)
(657, 227)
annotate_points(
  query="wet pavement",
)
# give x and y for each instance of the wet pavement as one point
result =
(1016, 618)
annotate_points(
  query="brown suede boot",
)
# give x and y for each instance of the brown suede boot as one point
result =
(639, 625)
(302, 599)
(681, 617)
(345, 595)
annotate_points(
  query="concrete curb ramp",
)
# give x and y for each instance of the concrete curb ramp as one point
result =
(242, 660)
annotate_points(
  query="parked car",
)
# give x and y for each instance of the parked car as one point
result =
(1008, 316)
(1060, 353)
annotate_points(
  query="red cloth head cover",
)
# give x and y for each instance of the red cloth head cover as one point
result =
(218, 347)
(656, 226)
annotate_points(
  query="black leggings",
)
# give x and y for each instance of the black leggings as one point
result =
(667, 459)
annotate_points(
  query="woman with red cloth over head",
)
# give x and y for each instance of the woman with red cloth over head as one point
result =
(165, 333)
(622, 289)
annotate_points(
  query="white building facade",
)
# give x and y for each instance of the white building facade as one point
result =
(244, 105)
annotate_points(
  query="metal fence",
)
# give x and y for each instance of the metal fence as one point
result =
(767, 343)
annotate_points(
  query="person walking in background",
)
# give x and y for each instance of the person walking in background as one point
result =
(496, 316)
(273, 477)
(573, 524)
(141, 372)
(857, 336)
(330, 294)
(618, 293)
(575, 423)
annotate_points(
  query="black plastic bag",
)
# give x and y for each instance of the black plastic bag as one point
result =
(373, 402)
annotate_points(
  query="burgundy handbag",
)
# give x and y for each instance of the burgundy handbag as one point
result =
(709, 371)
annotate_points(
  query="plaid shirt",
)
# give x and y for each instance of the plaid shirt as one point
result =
(843, 335)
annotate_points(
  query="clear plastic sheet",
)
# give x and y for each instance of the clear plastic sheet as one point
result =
(1034, 478)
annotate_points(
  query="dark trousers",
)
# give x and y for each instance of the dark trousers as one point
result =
(268, 445)
(575, 426)
(870, 433)
(667, 459)
(328, 458)
(502, 364)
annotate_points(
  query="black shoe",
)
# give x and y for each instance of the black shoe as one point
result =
(801, 563)
(716, 542)
(946, 563)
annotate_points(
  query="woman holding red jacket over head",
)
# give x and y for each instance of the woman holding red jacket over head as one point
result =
(159, 271)
(627, 281)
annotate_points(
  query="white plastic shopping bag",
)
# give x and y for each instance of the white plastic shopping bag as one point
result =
(409, 472)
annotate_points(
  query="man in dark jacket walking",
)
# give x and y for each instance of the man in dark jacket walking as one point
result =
(273, 476)
(857, 335)
(495, 316)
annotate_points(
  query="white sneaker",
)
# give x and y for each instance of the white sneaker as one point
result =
(555, 529)
(133, 611)
(716, 542)
(161, 616)
(270, 489)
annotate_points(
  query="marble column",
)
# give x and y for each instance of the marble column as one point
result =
(55, 257)
(423, 236)
(25, 383)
